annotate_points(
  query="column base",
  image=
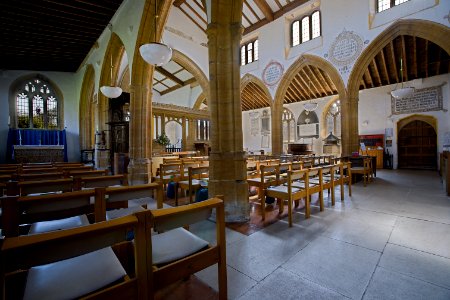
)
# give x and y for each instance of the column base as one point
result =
(139, 171)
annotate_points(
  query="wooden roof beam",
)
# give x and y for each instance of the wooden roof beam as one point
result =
(394, 62)
(169, 75)
(265, 8)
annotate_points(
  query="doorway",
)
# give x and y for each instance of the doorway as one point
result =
(417, 146)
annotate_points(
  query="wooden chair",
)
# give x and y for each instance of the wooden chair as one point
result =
(74, 263)
(168, 173)
(314, 185)
(24, 188)
(284, 168)
(344, 176)
(46, 212)
(167, 266)
(268, 175)
(365, 170)
(99, 181)
(193, 182)
(290, 192)
(328, 181)
(142, 195)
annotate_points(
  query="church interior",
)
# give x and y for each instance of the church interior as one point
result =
(206, 149)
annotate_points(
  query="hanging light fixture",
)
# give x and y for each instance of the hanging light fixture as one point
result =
(402, 92)
(310, 105)
(156, 53)
(111, 91)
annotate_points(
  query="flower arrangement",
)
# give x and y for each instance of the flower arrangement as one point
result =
(162, 139)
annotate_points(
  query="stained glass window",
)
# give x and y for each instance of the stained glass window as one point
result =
(36, 105)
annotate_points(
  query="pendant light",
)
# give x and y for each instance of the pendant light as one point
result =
(310, 105)
(111, 91)
(156, 53)
(402, 92)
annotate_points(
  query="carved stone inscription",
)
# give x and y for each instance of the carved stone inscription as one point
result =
(428, 99)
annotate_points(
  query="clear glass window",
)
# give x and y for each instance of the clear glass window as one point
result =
(315, 24)
(305, 30)
(296, 33)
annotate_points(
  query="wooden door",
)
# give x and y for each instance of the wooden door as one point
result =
(417, 146)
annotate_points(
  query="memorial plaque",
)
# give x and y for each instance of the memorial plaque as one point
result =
(272, 73)
(427, 99)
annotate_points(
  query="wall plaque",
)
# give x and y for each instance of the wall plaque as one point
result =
(345, 50)
(427, 99)
(272, 73)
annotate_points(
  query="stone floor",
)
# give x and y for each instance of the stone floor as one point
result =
(390, 240)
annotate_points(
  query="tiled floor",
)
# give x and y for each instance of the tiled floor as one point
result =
(390, 240)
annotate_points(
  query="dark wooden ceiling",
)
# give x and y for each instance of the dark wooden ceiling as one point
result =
(51, 35)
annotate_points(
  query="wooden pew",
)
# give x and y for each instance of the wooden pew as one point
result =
(23, 188)
(39, 177)
(99, 181)
(113, 197)
(85, 256)
(45, 208)
(163, 268)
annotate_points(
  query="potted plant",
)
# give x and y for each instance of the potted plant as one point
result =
(160, 143)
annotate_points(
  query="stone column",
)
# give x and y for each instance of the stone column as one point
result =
(227, 162)
(190, 139)
(183, 133)
(139, 167)
(349, 125)
(277, 129)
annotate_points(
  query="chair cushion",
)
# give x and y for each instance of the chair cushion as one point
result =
(61, 224)
(74, 277)
(175, 244)
(282, 189)
(122, 212)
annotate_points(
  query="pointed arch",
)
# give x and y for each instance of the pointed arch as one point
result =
(299, 64)
(254, 93)
(16, 85)
(424, 29)
(194, 69)
(86, 109)
(201, 99)
(114, 52)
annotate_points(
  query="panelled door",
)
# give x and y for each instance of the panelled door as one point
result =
(417, 146)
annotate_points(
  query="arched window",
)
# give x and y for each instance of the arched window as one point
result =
(307, 28)
(249, 52)
(386, 4)
(36, 105)
(333, 119)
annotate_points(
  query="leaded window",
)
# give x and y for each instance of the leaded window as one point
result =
(37, 105)
(386, 4)
(249, 52)
(307, 28)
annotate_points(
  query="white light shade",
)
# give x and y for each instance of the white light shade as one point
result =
(310, 106)
(111, 91)
(403, 92)
(156, 53)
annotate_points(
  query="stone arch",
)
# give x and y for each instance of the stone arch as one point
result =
(301, 62)
(323, 117)
(252, 79)
(115, 49)
(15, 86)
(416, 117)
(200, 99)
(194, 69)
(427, 30)
(86, 119)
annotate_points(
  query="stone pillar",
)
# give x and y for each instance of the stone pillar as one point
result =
(227, 162)
(139, 168)
(277, 129)
(183, 133)
(349, 125)
(190, 139)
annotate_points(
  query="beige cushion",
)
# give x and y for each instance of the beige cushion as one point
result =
(282, 189)
(61, 224)
(175, 244)
(150, 202)
(74, 277)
